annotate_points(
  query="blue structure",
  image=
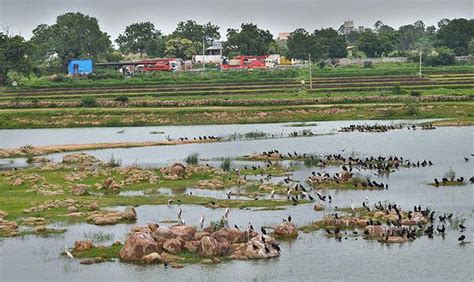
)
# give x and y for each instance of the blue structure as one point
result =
(79, 66)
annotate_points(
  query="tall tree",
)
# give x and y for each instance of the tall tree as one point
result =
(301, 43)
(13, 56)
(137, 37)
(250, 40)
(179, 48)
(197, 33)
(74, 35)
(333, 44)
(456, 35)
(374, 45)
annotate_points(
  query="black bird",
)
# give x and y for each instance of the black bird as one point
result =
(235, 225)
(295, 201)
(251, 226)
(266, 250)
(335, 215)
(462, 227)
(289, 218)
(441, 230)
(263, 239)
(276, 247)
(461, 239)
(264, 232)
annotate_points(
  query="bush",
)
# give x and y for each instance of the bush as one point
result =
(113, 162)
(411, 110)
(88, 101)
(414, 93)
(321, 64)
(443, 57)
(121, 98)
(397, 89)
(368, 65)
(192, 159)
(450, 174)
(225, 164)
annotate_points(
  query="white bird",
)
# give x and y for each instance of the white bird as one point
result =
(68, 253)
(228, 193)
(226, 213)
(353, 207)
(288, 194)
(170, 201)
(180, 211)
(272, 194)
(201, 221)
(182, 221)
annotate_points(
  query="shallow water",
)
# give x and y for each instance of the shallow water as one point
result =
(310, 257)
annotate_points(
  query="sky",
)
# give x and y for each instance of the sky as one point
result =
(22, 16)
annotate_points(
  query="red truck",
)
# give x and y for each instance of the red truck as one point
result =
(245, 62)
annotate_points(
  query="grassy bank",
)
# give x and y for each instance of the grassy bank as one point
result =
(106, 117)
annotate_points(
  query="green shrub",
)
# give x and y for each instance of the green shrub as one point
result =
(121, 98)
(88, 101)
(113, 162)
(397, 89)
(450, 174)
(368, 65)
(192, 159)
(414, 93)
(225, 164)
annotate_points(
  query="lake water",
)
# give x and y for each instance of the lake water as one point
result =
(308, 258)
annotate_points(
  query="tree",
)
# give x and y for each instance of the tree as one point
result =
(196, 33)
(137, 37)
(74, 35)
(456, 35)
(443, 56)
(250, 40)
(155, 47)
(332, 44)
(13, 56)
(471, 47)
(374, 45)
(301, 44)
(179, 48)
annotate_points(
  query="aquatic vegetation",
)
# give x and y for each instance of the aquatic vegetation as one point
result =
(226, 164)
(113, 162)
(192, 159)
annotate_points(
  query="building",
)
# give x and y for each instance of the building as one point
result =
(347, 27)
(212, 54)
(283, 35)
(80, 66)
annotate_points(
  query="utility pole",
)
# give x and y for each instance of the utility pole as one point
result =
(310, 74)
(203, 63)
(420, 62)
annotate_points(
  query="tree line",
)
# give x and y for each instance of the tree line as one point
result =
(75, 35)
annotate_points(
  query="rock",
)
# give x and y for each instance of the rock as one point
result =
(83, 245)
(76, 214)
(318, 207)
(34, 221)
(3, 214)
(208, 247)
(108, 182)
(256, 249)
(40, 228)
(177, 265)
(130, 214)
(191, 246)
(170, 258)
(93, 206)
(71, 209)
(220, 235)
(396, 240)
(138, 245)
(79, 189)
(172, 246)
(153, 226)
(199, 235)
(224, 248)
(185, 232)
(374, 230)
(286, 230)
(379, 214)
(152, 258)
(18, 182)
(234, 235)
(88, 261)
(163, 233)
(178, 169)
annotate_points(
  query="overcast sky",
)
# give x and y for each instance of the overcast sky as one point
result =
(22, 16)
